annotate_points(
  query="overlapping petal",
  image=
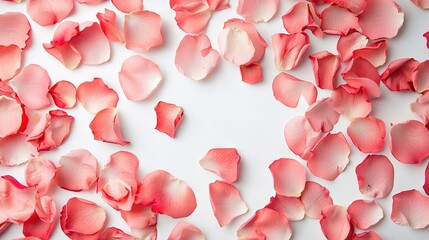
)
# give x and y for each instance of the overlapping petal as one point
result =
(289, 177)
(106, 127)
(14, 29)
(288, 90)
(64, 94)
(39, 173)
(325, 68)
(48, 12)
(364, 213)
(289, 49)
(224, 162)
(315, 198)
(257, 10)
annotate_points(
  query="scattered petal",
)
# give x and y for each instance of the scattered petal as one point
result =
(367, 134)
(366, 236)
(96, 96)
(288, 176)
(10, 60)
(223, 162)
(46, 209)
(289, 49)
(398, 76)
(322, 116)
(375, 53)
(421, 107)
(106, 127)
(168, 117)
(426, 184)
(39, 173)
(325, 68)
(302, 16)
(140, 219)
(109, 26)
(142, 30)
(315, 198)
(251, 73)
(11, 116)
(128, 6)
(113, 233)
(420, 77)
(184, 230)
(35, 228)
(64, 94)
(423, 4)
(360, 73)
(335, 222)
(257, 11)
(56, 132)
(410, 208)
(191, 16)
(329, 20)
(48, 12)
(15, 150)
(14, 29)
(351, 104)
(350, 42)
(290, 207)
(365, 213)
(288, 90)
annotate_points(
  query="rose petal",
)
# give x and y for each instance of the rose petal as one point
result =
(381, 19)
(315, 198)
(351, 105)
(184, 230)
(265, 224)
(410, 208)
(426, 35)
(420, 79)
(15, 150)
(77, 170)
(355, 6)
(257, 11)
(322, 116)
(39, 173)
(167, 194)
(325, 68)
(251, 73)
(289, 49)
(223, 162)
(10, 60)
(335, 222)
(288, 176)
(32, 86)
(106, 127)
(375, 53)
(195, 57)
(142, 30)
(109, 26)
(367, 134)
(290, 207)
(14, 29)
(398, 75)
(56, 132)
(89, 2)
(409, 142)
(11, 116)
(426, 184)
(128, 6)
(64, 94)
(366, 236)
(330, 156)
(288, 90)
(139, 77)
(421, 107)
(38, 229)
(360, 73)
(48, 12)
(46, 209)
(113, 233)
(329, 20)
(140, 219)
(96, 96)
(168, 117)
(422, 4)
(350, 42)
(302, 16)
(191, 16)
(226, 202)
(364, 213)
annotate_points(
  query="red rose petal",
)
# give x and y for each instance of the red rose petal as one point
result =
(420, 79)
(366, 236)
(315, 198)
(398, 75)
(141, 220)
(360, 73)
(335, 222)
(421, 107)
(10, 60)
(226, 202)
(77, 170)
(289, 177)
(168, 117)
(251, 73)
(64, 94)
(352, 105)
(410, 208)
(426, 184)
(11, 116)
(223, 162)
(288, 90)
(302, 16)
(423, 4)
(14, 29)
(167, 194)
(142, 30)
(325, 68)
(350, 42)
(96, 96)
(106, 127)
(114, 233)
(39, 173)
(289, 49)
(322, 116)
(109, 26)
(128, 6)
(375, 53)
(367, 134)
(290, 207)
(329, 20)
(56, 132)
(184, 230)
(257, 11)
(409, 142)
(139, 77)
(364, 213)
(48, 12)
(15, 150)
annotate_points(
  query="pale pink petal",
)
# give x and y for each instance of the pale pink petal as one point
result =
(64, 94)
(351, 105)
(257, 10)
(288, 90)
(367, 134)
(366, 236)
(360, 73)
(186, 231)
(191, 16)
(167, 194)
(35, 229)
(224, 162)
(89, 2)
(288, 176)
(37, 125)
(113, 233)
(355, 6)
(77, 170)
(195, 57)
(109, 26)
(168, 117)
(330, 157)
(426, 184)
(139, 77)
(302, 16)
(364, 213)
(39, 173)
(46, 209)
(251, 73)
(96, 95)
(14, 29)
(142, 30)
(10, 60)
(15, 150)
(300, 137)
(421, 107)
(106, 127)
(290, 207)
(350, 42)
(118, 181)
(423, 4)
(82, 219)
(420, 77)
(128, 6)
(56, 132)
(398, 76)
(409, 142)
(148, 233)
(289, 49)
(375, 53)
(381, 19)
(322, 116)
(266, 224)
(325, 68)
(315, 198)
(11, 116)
(410, 208)
(329, 20)
(335, 222)
(48, 12)
(32, 86)
(226, 202)
(140, 219)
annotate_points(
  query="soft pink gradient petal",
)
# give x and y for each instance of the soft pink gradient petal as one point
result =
(128, 6)
(10, 60)
(96, 96)
(423, 4)
(375, 53)
(302, 16)
(351, 104)
(335, 222)
(367, 134)
(410, 208)
(290, 207)
(184, 230)
(257, 10)
(11, 116)
(224, 162)
(141, 220)
(349, 43)
(360, 73)
(355, 6)
(289, 49)
(106, 127)
(398, 76)
(191, 16)
(64, 94)
(48, 12)
(251, 73)
(110, 27)
(39, 173)
(322, 116)
(329, 20)
(325, 68)
(315, 198)
(420, 77)
(55, 132)
(289, 177)
(366, 236)
(288, 90)
(365, 213)
(15, 150)
(14, 29)
(375, 176)
(113, 233)
(168, 117)
(143, 31)
(426, 184)
(421, 107)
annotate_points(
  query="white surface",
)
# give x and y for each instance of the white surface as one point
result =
(222, 111)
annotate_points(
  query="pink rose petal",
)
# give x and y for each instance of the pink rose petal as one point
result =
(420, 79)
(409, 142)
(10, 60)
(288, 90)
(139, 77)
(56, 131)
(226, 202)
(257, 10)
(192, 16)
(39, 173)
(48, 12)
(423, 4)
(350, 42)
(375, 53)
(89, 2)
(364, 213)
(35, 228)
(360, 73)
(168, 117)
(289, 49)
(106, 127)
(325, 68)
(426, 184)
(14, 29)
(315, 198)
(410, 208)
(114, 233)
(224, 162)
(96, 96)
(142, 30)
(289, 177)
(302, 16)
(351, 104)
(15, 150)
(184, 230)
(366, 236)
(421, 107)
(251, 73)
(355, 6)
(322, 116)
(329, 20)
(141, 220)
(64, 94)
(109, 26)
(11, 116)
(46, 209)
(128, 6)
(398, 76)
(335, 222)
(367, 134)
(290, 207)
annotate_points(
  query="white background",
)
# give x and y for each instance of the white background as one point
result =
(222, 111)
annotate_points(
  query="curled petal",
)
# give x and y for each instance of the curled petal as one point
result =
(139, 77)
(289, 49)
(168, 117)
(325, 68)
(128, 6)
(96, 96)
(14, 29)
(375, 53)
(10, 60)
(184, 230)
(109, 26)
(64, 94)
(381, 19)
(251, 73)
(48, 12)
(322, 116)
(426, 184)
(226, 202)
(223, 162)
(114, 233)
(329, 20)
(39, 173)
(398, 76)
(360, 73)
(288, 90)
(140, 219)
(265, 224)
(46, 209)
(302, 16)
(191, 16)
(350, 42)
(142, 30)
(366, 236)
(290, 207)
(420, 79)
(56, 131)
(257, 11)
(335, 222)
(289, 177)
(351, 104)
(15, 150)
(195, 57)
(106, 127)
(365, 214)
(77, 170)
(409, 142)
(315, 198)
(11, 116)
(421, 107)
(35, 228)
(367, 134)
(410, 208)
